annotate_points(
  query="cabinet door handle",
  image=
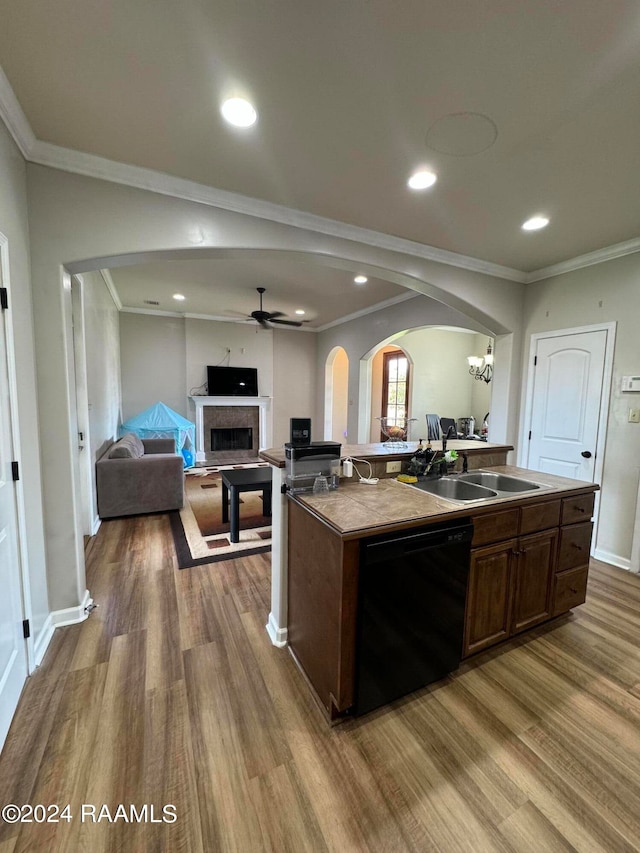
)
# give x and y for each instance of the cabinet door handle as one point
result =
(574, 545)
(573, 590)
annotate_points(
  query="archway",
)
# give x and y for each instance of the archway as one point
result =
(336, 391)
(440, 381)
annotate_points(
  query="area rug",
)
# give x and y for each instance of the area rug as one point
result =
(199, 534)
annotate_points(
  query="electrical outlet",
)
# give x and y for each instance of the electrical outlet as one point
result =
(634, 416)
(394, 467)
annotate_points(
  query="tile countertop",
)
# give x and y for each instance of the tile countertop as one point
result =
(356, 510)
(383, 450)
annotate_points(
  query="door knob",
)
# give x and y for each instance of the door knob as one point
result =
(586, 454)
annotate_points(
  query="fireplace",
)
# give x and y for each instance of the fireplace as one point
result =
(231, 438)
(232, 420)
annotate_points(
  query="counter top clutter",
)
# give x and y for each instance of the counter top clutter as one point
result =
(391, 586)
(356, 510)
(388, 451)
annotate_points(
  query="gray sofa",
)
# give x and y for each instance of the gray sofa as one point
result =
(137, 476)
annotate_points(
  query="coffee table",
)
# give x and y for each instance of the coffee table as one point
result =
(236, 481)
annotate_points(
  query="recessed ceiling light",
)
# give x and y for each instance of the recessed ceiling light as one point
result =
(239, 112)
(361, 279)
(422, 179)
(179, 297)
(535, 223)
(300, 311)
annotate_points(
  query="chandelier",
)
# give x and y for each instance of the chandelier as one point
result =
(482, 367)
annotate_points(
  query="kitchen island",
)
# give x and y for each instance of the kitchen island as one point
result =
(478, 453)
(528, 564)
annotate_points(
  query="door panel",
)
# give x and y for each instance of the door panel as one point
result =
(568, 385)
(13, 662)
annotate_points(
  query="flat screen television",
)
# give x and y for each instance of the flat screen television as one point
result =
(232, 381)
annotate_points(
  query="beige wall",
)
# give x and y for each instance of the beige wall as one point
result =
(362, 337)
(102, 349)
(165, 358)
(294, 383)
(152, 353)
(440, 380)
(14, 226)
(82, 223)
(207, 342)
(602, 293)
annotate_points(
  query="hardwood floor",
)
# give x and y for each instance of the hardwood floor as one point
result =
(171, 693)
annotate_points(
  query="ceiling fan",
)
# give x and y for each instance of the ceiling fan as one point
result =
(265, 318)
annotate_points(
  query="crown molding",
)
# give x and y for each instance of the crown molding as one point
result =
(158, 312)
(14, 118)
(370, 310)
(599, 256)
(77, 162)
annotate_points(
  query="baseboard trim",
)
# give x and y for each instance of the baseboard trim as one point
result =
(277, 635)
(41, 642)
(72, 615)
(612, 559)
(97, 521)
(56, 619)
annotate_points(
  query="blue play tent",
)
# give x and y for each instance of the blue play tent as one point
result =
(159, 421)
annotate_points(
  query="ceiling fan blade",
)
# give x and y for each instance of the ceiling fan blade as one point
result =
(286, 322)
(273, 314)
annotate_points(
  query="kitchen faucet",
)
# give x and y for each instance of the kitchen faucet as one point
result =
(446, 436)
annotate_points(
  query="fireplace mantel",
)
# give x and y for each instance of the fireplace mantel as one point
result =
(201, 403)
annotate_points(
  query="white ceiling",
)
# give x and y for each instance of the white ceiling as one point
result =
(352, 95)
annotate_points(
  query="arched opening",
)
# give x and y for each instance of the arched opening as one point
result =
(336, 385)
(440, 382)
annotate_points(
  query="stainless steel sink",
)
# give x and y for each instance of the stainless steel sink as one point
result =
(499, 482)
(455, 489)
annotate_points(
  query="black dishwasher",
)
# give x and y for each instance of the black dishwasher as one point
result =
(411, 601)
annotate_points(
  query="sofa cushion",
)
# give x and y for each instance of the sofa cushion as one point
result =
(129, 447)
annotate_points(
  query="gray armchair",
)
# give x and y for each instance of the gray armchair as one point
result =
(139, 476)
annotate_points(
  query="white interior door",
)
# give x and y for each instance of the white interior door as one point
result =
(569, 387)
(13, 652)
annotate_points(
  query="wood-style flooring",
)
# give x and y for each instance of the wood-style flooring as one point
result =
(171, 693)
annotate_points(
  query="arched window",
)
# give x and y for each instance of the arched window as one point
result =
(395, 387)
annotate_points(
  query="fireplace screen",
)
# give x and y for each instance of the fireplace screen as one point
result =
(234, 438)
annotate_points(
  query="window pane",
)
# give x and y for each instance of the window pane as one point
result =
(402, 368)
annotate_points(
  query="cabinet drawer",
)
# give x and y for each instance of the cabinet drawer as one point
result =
(495, 526)
(577, 509)
(570, 590)
(575, 546)
(539, 516)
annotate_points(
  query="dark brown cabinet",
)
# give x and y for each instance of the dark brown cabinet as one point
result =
(510, 589)
(518, 581)
(529, 563)
(489, 599)
(533, 580)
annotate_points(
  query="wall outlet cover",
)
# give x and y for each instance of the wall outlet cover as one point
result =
(394, 467)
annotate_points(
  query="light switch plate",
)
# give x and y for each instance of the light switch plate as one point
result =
(634, 416)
